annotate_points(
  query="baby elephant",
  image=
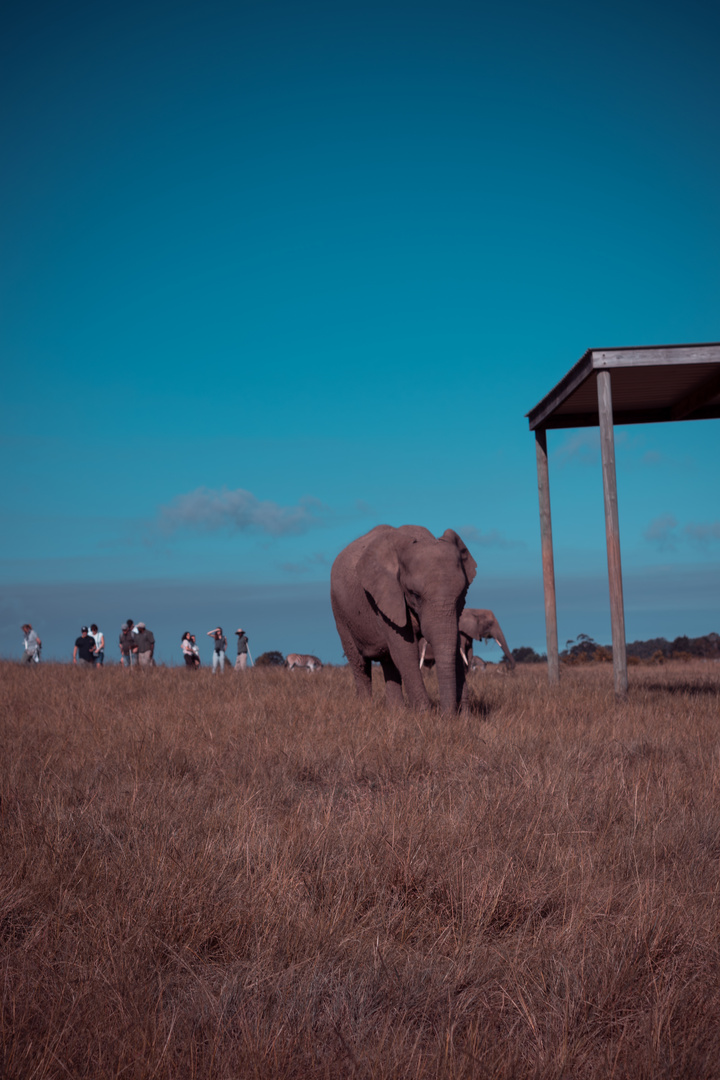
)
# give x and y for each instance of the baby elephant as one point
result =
(296, 660)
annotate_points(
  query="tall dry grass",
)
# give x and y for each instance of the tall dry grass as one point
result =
(261, 877)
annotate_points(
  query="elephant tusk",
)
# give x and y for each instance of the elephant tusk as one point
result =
(422, 654)
(465, 659)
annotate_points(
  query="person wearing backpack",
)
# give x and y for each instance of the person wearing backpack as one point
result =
(219, 648)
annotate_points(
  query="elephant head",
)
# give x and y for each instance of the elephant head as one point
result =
(393, 586)
(474, 624)
(480, 625)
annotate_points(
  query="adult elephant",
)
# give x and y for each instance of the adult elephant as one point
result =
(388, 589)
(475, 624)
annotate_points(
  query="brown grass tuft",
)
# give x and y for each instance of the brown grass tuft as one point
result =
(260, 876)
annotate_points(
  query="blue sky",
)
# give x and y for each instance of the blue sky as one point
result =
(275, 273)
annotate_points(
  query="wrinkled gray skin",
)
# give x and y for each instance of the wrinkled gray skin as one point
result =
(388, 589)
(474, 624)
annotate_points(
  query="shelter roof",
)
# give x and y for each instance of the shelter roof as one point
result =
(650, 384)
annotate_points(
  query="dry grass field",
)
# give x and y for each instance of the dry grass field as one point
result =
(261, 877)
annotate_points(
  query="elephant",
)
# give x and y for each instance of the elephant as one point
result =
(477, 624)
(388, 589)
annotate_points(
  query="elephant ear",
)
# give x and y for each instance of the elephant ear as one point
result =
(469, 564)
(378, 572)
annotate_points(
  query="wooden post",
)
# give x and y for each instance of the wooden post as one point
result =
(551, 633)
(612, 532)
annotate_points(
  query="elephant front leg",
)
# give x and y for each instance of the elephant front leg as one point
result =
(363, 677)
(393, 683)
(405, 662)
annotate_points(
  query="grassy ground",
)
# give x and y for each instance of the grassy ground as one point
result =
(259, 876)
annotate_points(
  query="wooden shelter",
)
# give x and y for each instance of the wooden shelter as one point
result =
(636, 385)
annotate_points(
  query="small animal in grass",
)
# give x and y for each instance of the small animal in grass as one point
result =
(296, 660)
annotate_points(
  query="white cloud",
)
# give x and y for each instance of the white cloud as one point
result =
(581, 448)
(493, 538)
(307, 564)
(662, 532)
(209, 510)
(703, 533)
(665, 533)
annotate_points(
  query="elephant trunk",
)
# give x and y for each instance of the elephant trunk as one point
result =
(450, 682)
(443, 638)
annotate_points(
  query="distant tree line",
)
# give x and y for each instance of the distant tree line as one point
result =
(526, 655)
(584, 650)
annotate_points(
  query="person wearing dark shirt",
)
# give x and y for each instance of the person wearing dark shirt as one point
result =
(84, 651)
(196, 650)
(242, 653)
(145, 645)
(127, 644)
(219, 647)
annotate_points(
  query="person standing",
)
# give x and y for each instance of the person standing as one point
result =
(84, 651)
(134, 633)
(242, 653)
(145, 646)
(187, 650)
(196, 650)
(127, 644)
(32, 644)
(99, 644)
(219, 648)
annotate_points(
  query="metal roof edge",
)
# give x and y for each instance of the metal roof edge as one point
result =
(576, 375)
(584, 367)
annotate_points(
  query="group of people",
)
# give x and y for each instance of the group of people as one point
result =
(137, 647)
(89, 650)
(191, 651)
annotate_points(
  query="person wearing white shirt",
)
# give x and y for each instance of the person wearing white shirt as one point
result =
(99, 644)
(32, 645)
(189, 650)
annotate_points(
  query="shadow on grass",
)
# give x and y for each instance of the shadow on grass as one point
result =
(478, 707)
(694, 689)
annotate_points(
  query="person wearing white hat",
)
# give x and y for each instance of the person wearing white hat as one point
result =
(145, 645)
(242, 653)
